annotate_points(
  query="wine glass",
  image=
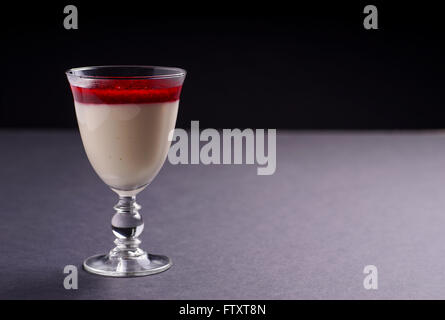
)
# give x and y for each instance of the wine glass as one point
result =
(125, 115)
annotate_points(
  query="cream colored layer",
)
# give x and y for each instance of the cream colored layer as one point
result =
(126, 144)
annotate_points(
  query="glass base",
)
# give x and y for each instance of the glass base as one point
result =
(143, 265)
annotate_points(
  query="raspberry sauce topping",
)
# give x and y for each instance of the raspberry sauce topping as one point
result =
(127, 91)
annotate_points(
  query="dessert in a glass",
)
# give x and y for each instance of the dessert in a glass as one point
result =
(125, 115)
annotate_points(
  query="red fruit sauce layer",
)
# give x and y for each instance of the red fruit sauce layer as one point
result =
(126, 91)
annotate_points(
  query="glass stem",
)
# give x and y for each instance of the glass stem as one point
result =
(127, 226)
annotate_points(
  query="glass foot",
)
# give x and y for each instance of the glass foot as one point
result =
(143, 265)
(127, 259)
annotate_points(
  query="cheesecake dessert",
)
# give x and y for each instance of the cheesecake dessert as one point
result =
(125, 126)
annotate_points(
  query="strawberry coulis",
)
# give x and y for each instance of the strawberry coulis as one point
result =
(127, 92)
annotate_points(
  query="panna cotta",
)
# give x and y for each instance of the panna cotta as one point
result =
(125, 126)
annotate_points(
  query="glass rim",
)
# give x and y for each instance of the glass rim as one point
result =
(174, 72)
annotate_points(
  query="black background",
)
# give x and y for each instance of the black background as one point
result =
(250, 64)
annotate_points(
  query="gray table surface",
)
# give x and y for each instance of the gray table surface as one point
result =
(337, 202)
